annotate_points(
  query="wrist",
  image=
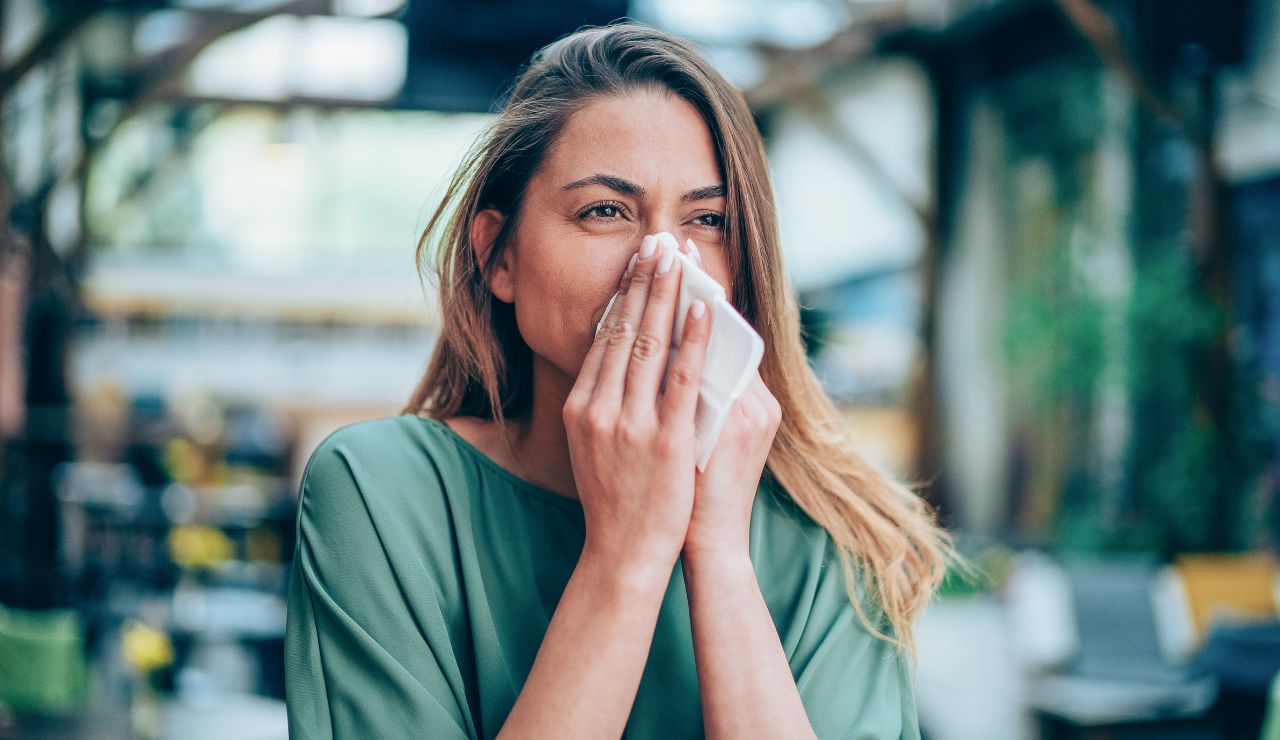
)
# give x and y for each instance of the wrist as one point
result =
(720, 559)
(631, 573)
(705, 543)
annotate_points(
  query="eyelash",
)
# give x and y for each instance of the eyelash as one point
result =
(586, 213)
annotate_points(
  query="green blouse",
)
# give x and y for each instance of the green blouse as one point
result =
(426, 575)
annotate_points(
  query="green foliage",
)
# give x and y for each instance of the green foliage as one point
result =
(1169, 318)
(1188, 480)
(1053, 336)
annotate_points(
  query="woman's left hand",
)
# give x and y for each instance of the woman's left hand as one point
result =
(725, 492)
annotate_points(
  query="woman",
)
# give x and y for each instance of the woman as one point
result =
(528, 550)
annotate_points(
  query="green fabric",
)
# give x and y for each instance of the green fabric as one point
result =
(426, 575)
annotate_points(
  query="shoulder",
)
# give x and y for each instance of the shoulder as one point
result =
(367, 437)
(388, 467)
(799, 564)
(380, 445)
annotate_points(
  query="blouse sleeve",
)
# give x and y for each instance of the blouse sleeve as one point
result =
(356, 663)
(854, 685)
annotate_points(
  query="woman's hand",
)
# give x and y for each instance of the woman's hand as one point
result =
(633, 451)
(725, 491)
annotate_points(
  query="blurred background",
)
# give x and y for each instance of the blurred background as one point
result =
(1037, 243)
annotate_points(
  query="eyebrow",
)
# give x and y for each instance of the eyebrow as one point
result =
(626, 187)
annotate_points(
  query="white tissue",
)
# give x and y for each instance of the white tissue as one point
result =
(733, 354)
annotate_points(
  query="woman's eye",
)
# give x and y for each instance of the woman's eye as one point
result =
(716, 222)
(602, 211)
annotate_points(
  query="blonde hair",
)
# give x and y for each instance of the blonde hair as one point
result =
(480, 365)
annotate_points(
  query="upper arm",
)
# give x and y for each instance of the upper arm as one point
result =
(357, 664)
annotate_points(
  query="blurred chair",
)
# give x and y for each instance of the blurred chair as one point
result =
(1244, 658)
(1220, 610)
(1116, 682)
(1230, 626)
(1271, 726)
(42, 661)
(1199, 591)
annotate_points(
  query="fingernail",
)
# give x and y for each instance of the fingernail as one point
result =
(647, 245)
(693, 248)
(666, 238)
(631, 265)
(664, 264)
(697, 309)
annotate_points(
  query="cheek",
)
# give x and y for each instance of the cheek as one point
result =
(718, 267)
(557, 302)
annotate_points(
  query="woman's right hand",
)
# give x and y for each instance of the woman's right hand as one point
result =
(633, 450)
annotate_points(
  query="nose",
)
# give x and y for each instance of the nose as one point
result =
(669, 236)
(658, 223)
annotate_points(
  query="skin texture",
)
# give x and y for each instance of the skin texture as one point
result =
(600, 432)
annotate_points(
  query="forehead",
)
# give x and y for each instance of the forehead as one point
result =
(649, 137)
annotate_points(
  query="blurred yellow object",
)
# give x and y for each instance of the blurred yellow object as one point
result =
(182, 460)
(195, 546)
(1238, 587)
(145, 648)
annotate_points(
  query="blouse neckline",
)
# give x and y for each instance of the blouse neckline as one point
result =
(532, 488)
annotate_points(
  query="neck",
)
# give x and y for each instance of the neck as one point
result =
(538, 440)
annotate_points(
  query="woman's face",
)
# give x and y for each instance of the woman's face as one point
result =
(621, 168)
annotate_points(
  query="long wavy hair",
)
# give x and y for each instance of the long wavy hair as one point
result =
(481, 365)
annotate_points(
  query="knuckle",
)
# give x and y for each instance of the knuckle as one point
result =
(641, 278)
(669, 445)
(624, 332)
(597, 422)
(632, 433)
(647, 347)
(682, 375)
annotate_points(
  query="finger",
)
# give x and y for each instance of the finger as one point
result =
(621, 336)
(653, 340)
(590, 369)
(680, 398)
(692, 248)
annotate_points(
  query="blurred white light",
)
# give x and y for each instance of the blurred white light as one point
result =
(252, 63)
(741, 67)
(62, 216)
(837, 217)
(201, 4)
(712, 21)
(161, 30)
(284, 56)
(791, 23)
(342, 57)
(800, 23)
(366, 8)
(256, 6)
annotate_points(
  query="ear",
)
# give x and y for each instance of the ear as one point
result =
(485, 228)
